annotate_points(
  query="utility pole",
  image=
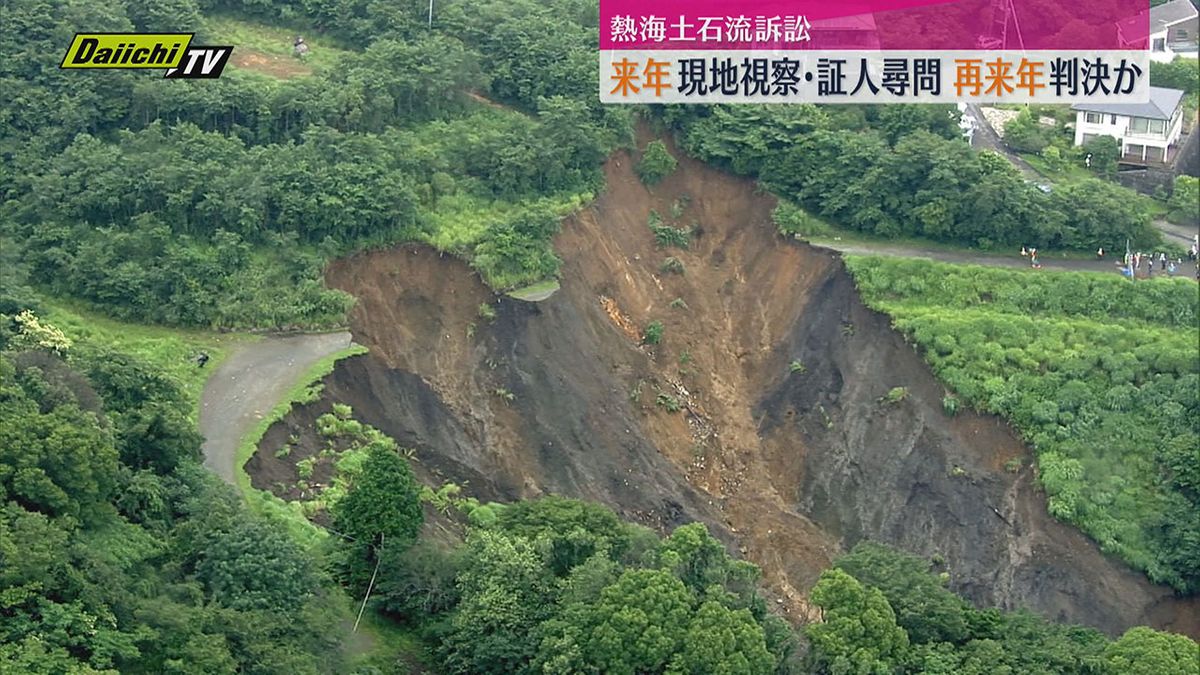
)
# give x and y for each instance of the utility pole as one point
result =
(430, 14)
(997, 37)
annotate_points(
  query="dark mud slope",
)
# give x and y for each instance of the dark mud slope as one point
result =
(712, 424)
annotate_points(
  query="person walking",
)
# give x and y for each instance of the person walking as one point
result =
(1162, 260)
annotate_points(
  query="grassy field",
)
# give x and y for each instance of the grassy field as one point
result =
(171, 350)
(268, 48)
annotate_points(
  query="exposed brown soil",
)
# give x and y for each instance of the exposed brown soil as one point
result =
(282, 67)
(789, 469)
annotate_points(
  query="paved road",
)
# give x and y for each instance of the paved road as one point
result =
(1049, 262)
(248, 384)
(1177, 234)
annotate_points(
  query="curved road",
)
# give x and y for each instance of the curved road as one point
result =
(251, 382)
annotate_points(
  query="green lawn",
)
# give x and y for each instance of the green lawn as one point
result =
(382, 645)
(1067, 173)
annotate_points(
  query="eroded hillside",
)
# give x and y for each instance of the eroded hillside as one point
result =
(763, 411)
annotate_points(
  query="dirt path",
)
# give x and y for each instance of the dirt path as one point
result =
(249, 384)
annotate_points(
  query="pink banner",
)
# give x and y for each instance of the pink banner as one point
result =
(858, 25)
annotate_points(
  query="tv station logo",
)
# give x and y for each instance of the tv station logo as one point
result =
(172, 52)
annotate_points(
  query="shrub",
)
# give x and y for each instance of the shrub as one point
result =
(665, 235)
(304, 468)
(950, 405)
(1024, 134)
(653, 333)
(791, 220)
(657, 163)
(669, 402)
(1184, 205)
(895, 395)
(486, 311)
(797, 366)
(1104, 150)
(671, 265)
(678, 303)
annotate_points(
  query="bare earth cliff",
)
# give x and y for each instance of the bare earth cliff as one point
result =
(788, 468)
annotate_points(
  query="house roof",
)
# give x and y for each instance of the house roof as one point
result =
(1171, 13)
(855, 22)
(1162, 105)
(1139, 26)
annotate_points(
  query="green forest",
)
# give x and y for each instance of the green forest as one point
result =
(1099, 374)
(903, 171)
(217, 203)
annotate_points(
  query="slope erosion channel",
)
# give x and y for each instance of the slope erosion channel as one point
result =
(760, 412)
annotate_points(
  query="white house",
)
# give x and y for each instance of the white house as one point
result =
(1174, 29)
(1148, 132)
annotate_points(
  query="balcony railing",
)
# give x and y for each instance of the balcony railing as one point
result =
(1129, 133)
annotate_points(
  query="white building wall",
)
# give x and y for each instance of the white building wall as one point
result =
(1117, 126)
(1105, 127)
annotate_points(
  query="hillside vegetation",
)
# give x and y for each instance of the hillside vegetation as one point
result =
(904, 171)
(216, 203)
(1099, 374)
(118, 552)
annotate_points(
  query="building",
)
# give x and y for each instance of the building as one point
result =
(1174, 30)
(844, 32)
(1148, 132)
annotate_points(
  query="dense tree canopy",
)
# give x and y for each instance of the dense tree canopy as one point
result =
(215, 203)
(118, 553)
(885, 612)
(897, 171)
